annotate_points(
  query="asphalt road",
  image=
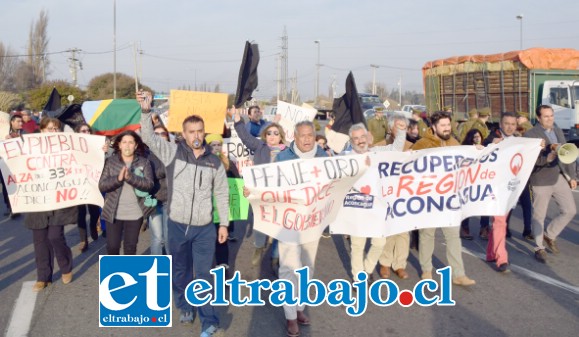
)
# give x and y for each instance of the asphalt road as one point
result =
(533, 300)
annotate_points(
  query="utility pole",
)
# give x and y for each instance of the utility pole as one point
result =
(74, 64)
(136, 67)
(520, 18)
(400, 90)
(278, 71)
(374, 78)
(284, 65)
(317, 88)
(114, 49)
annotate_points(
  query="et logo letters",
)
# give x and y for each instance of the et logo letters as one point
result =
(135, 291)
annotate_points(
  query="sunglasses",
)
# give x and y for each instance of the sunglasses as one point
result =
(275, 133)
(161, 133)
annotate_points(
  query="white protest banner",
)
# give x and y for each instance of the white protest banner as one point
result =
(236, 151)
(48, 171)
(336, 141)
(4, 124)
(438, 187)
(293, 201)
(291, 115)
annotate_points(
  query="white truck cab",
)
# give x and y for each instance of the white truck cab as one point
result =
(563, 96)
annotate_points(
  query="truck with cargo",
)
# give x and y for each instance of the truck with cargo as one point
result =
(514, 81)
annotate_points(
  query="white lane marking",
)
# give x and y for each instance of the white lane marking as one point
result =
(23, 309)
(531, 274)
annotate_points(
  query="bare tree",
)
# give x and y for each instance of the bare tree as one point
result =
(7, 67)
(37, 47)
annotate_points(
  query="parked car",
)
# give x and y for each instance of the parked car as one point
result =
(370, 101)
(409, 108)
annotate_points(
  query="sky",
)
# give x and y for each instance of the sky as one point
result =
(187, 42)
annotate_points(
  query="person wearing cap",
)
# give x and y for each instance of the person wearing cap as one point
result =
(465, 127)
(523, 124)
(378, 126)
(481, 122)
(215, 141)
(422, 126)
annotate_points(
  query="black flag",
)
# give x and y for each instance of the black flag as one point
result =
(70, 115)
(247, 81)
(53, 103)
(347, 109)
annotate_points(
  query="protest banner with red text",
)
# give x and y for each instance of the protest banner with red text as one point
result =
(438, 187)
(48, 171)
(293, 201)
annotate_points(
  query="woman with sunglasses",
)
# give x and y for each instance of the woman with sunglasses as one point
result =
(48, 233)
(126, 173)
(265, 149)
(94, 211)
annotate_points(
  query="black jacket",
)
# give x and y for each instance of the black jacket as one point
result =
(59, 217)
(110, 184)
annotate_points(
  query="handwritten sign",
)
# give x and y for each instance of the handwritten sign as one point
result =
(48, 171)
(4, 124)
(436, 187)
(291, 115)
(238, 204)
(293, 201)
(209, 105)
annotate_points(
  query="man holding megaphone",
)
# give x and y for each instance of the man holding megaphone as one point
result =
(553, 174)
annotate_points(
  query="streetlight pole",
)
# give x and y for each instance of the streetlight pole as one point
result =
(374, 78)
(520, 18)
(114, 48)
(317, 88)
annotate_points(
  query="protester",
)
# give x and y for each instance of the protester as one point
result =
(194, 175)
(158, 218)
(412, 133)
(496, 248)
(271, 142)
(422, 126)
(474, 137)
(15, 126)
(126, 173)
(396, 247)
(295, 256)
(550, 179)
(439, 135)
(215, 141)
(256, 124)
(94, 211)
(48, 233)
(29, 125)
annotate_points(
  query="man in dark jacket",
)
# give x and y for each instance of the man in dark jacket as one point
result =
(550, 178)
(194, 175)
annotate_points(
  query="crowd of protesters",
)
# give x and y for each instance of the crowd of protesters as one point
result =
(170, 186)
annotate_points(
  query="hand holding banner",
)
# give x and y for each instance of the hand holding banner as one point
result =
(48, 171)
(293, 201)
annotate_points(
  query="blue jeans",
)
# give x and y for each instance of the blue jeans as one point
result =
(159, 231)
(193, 248)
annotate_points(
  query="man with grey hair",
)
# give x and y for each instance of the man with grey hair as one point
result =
(294, 256)
(360, 139)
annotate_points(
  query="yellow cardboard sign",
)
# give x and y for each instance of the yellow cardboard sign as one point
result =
(209, 105)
